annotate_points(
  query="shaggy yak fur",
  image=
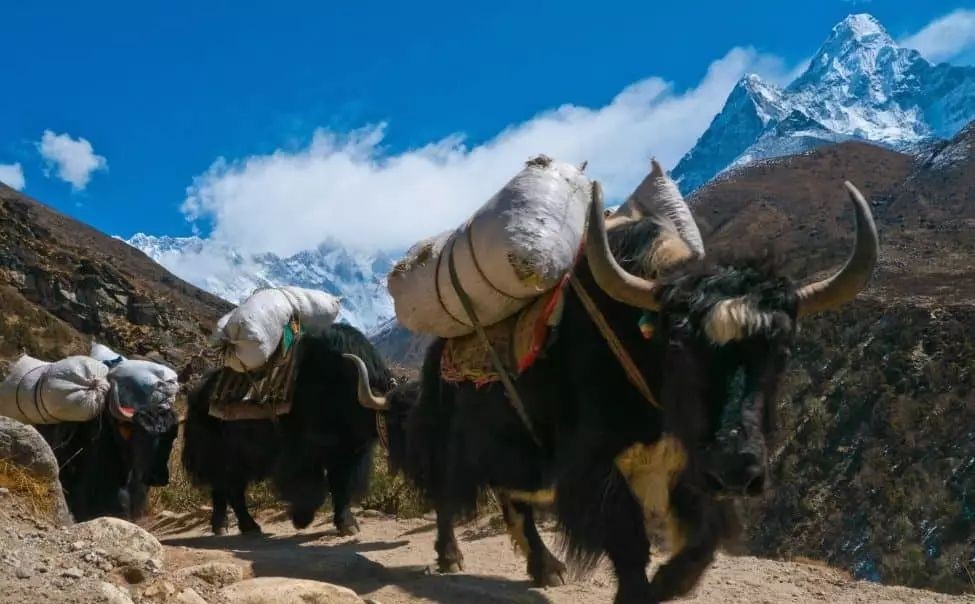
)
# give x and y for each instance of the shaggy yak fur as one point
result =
(323, 444)
(108, 465)
(622, 468)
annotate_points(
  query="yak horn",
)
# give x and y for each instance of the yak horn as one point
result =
(582, 166)
(609, 276)
(366, 398)
(852, 278)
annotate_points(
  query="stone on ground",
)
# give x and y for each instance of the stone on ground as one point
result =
(25, 447)
(124, 543)
(276, 590)
(214, 573)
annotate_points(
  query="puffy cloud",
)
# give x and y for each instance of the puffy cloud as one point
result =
(949, 37)
(343, 186)
(12, 175)
(74, 159)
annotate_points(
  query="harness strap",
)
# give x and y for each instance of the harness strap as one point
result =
(513, 396)
(615, 345)
(382, 430)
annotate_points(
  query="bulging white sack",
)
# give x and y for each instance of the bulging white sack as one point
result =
(516, 247)
(658, 195)
(106, 355)
(254, 330)
(70, 390)
(142, 384)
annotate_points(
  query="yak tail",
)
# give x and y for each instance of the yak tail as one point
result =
(426, 433)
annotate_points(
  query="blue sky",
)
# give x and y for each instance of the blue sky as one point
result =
(161, 91)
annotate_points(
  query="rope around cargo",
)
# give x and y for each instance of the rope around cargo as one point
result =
(513, 397)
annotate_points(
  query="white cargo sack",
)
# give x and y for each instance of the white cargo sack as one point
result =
(253, 332)
(106, 355)
(658, 195)
(140, 384)
(71, 390)
(516, 247)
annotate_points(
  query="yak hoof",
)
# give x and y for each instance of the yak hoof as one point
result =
(219, 531)
(552, 574)
(555, 578)
(348, 530)
(254, 529)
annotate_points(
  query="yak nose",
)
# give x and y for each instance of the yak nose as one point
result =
(743, 474)
(754, 480)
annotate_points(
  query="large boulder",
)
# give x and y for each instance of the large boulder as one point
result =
(124, 543)
(24, 446)
(277, 590)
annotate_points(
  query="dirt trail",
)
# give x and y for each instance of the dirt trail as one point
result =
(388, 563)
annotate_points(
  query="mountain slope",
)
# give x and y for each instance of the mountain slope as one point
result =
(859, 85)
(875, 470)
(62, 282)
(359, 278)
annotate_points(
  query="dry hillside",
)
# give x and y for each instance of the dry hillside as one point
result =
(62, 282)
(876, 470)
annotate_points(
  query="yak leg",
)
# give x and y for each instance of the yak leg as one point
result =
(545, 569)
(236, 495)
(702, 524)
(449, 557)
(628, 548)
(218, 517)
(347, 478)
(600, 514)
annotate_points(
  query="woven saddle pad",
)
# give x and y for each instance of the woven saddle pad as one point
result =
(518, 340)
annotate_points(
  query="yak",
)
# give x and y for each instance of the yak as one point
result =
(108, 463)
(648, 413)
(324, 443)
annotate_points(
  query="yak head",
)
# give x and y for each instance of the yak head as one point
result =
(723, 334)
(144, 436)
(393, 409)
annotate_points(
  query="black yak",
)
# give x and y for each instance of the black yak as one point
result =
(323, 444)
(109, 463)
(650, 408)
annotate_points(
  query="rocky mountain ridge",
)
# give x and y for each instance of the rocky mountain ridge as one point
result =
(860, 85)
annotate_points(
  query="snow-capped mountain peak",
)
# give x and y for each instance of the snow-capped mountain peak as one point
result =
(359, 277)
(860, 85)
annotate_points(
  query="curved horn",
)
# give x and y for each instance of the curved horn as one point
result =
(849, 280)
(366, 398)
(582, 166)
(610, 277)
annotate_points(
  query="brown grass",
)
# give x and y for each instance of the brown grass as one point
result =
(38, 495)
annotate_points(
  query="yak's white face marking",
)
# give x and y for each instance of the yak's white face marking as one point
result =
(735, 319)
(651, 471)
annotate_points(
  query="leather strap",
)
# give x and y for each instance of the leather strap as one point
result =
(509, 386)
(615, 345)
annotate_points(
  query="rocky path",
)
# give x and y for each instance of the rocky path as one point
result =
(388, 563)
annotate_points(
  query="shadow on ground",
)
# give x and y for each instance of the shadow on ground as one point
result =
(310, 556)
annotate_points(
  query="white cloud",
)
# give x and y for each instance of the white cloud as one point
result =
(74, 159)
(343, 186)
(12, 175)
(946, 38)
